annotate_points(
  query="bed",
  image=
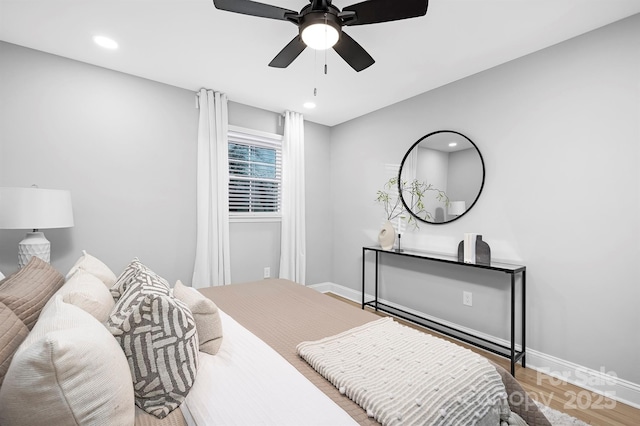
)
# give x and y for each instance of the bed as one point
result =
(264, 323)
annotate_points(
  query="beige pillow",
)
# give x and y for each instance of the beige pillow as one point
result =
(28, 290)
(88, 292)
(94, 266)
(206, 315)
(12, 333)
(69, 371)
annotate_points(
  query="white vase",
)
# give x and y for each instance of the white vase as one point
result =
(387, 236)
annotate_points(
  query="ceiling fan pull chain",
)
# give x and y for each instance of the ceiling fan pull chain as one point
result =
(325, 40)
(315, 73)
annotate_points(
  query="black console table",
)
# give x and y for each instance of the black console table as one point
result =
(512, 270)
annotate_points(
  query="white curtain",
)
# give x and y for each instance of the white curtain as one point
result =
(212, 266)
(292, 240)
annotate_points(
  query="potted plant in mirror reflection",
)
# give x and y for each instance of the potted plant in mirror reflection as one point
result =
(414, 194)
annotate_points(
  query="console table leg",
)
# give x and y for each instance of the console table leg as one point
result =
(524, 295)
(363, 279)
(376, 291)
(513, 324)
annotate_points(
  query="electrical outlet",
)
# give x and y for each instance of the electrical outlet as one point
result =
(267, 272)
(467, 298)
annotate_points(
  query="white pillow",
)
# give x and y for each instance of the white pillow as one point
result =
(95, 267)
(69, 370)
(1, 275)
(88, 292)
(205, 314)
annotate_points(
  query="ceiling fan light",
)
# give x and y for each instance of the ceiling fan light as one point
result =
(320, 36)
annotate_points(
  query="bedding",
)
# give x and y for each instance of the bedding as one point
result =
(248, 383)
(278, 313)
(88, 292)
(158, 335)
(400, 375)
(26, 291)
(205, 314)
(95, 267)
(69, 370)
(283, 314)
(12, 334)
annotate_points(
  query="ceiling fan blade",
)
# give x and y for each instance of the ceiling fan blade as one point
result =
(253, 8)
(289, 53)
(374, 11)
(353, 53)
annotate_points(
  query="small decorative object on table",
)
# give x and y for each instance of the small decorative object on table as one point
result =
(394, 209)
(473, 250)
(387, 236)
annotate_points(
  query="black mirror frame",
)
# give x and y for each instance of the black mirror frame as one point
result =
(402, 166)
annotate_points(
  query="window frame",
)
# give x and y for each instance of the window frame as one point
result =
(236, 134)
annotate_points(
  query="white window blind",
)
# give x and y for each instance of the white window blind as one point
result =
(255, 174)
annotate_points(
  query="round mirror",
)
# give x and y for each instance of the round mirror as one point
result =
(441, 177)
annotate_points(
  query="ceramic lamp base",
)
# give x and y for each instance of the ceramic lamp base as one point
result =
(34, 244)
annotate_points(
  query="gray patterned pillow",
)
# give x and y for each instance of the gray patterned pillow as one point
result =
(131, 274)
(159, 339)
(125, 278)
(135, 280)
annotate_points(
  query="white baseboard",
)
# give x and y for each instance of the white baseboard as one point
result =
(600, 382)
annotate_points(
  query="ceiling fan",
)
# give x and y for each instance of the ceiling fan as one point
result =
(320, 25)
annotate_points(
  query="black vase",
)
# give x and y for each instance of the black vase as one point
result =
(483, 252)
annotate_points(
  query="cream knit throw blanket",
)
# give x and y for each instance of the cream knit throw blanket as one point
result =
(402, 376)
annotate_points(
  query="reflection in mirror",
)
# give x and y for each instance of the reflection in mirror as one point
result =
(441, 177)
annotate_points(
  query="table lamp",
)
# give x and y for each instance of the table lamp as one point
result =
(34, 208)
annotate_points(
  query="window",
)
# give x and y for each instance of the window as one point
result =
(255, 165)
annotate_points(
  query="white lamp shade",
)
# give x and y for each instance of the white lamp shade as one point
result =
(35, 208)
(457, 207)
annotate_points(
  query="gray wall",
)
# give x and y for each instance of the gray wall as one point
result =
(559, 133)
(256, 245)
(126, 148)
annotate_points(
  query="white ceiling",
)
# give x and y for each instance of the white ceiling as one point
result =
(190, 44)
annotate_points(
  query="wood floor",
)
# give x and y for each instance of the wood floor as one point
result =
(591, 408)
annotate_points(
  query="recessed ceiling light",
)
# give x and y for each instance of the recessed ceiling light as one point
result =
(105, 42)
(452, 144)
(309, 105)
